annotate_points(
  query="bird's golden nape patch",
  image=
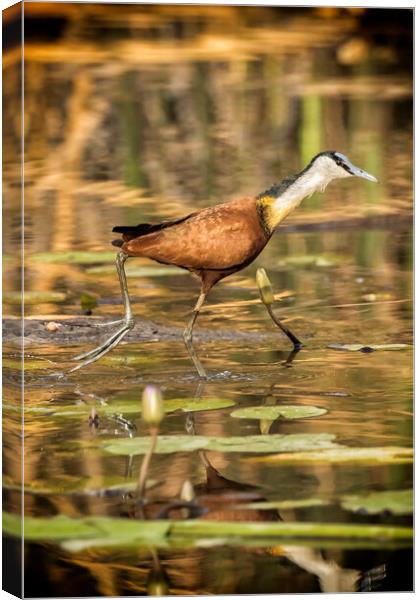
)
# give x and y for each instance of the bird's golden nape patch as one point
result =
(264, 207)
(266, 200)
(271, 212)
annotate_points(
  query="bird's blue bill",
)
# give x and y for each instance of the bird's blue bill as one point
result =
(360, 173)
(355, 170)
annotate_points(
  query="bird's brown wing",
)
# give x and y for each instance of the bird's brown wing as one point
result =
(218, 237)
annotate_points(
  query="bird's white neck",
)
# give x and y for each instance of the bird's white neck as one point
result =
(315, 179)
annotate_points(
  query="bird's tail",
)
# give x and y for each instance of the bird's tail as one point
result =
(131, 229)
(129, 233)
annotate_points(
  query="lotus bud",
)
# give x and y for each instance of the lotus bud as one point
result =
(152, 405)
(264, 285)
(187, 491)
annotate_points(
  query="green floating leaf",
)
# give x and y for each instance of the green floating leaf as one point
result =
(198, 528)
(342, 455)
(122, 407)
(79, 486)
(247, 444)
(368, 348)
(165, 445)
(101, 531)
(139, 271)
(271, 413)
(55, 528)
(73, 256)
(197, 404)
(399, 502)
(311, 260)
(89, 532)
(285, 504)
(127, 360)
(33, 297)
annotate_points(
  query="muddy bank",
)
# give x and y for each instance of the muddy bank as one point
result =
(71, 331)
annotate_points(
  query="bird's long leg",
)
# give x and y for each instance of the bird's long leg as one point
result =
(188, 336)
(108, 323)
(128, 321)
(296, 343)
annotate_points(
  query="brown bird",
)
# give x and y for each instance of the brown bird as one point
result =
(217, 241)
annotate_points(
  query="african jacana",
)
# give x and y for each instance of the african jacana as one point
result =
(217, 241)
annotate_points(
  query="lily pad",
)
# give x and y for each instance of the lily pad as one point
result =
(342, 455)
(123, 407)
(311, 260)
(292, 529)
(88, 532)
(398, 502)
(100, 530)
(80, 486)
(285, 411)
(128, 360)
(197, 404)
(33, 297)
(139, 271)
(166, 444)
(73, 256)
(285, 504)
(368, 348)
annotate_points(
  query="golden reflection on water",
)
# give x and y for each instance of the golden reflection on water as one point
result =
(149, 113)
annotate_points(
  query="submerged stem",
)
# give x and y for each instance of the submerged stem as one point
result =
(296, 343)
